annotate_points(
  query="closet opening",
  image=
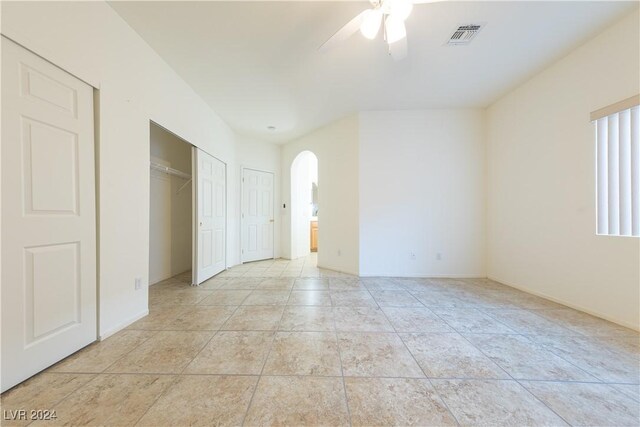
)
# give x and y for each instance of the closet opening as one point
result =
(171, 209)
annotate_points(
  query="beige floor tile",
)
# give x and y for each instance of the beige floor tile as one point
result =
(409, 319)
(242, 283)
(395, 402)
(352, 299)
(630, 390)
(559, 353)
(362, 319)
(172, 297)
(167, 352)
(309, 298)
(41, 392)
(311, 284)
(600, 360)
(291, 274)
(494, 403)
(302, 318)
(231, 352)
(628, 345)
(213, 283)
(202, 318)
(309, 273)
(304, 353)
(532, 302)
(158, 318)
(471, 320)
(254, 318)
(259, 297)
(438, 298)
(471, 297)
(376, 355)
(202, 401)
(525, 359)
(587, 404)
(226, 297)
(381, 284)
(387, 298)
(100, 355)
(168, 284)
(528, 323)
(277, 283)
(298, 401)
(585, 323)
(345, 283)
(449, 355)
(116, 400)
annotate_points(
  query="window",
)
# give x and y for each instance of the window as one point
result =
(618, 168)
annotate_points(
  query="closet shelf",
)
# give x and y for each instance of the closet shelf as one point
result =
(170, 171)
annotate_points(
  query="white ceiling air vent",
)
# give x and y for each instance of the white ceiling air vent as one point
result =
(464, 34)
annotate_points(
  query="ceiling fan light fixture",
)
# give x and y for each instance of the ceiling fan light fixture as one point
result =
(370, 24)
(400, 9)
(394, 29)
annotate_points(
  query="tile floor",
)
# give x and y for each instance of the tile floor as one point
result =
(285, 343)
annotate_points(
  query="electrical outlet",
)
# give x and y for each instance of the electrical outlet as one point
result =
(412, 256)
(438, 256)
(138, 284)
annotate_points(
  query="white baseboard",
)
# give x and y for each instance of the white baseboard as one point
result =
(568, 304)
(106, 334)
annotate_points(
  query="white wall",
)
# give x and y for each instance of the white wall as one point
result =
(170, 214)
(89, 40)
(264, 156)
(336, 147)
(541, 176)
(422, 192)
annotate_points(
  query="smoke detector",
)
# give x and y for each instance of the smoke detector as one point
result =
(463, 34)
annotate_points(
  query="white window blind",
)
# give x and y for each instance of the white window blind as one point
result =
(618, 172)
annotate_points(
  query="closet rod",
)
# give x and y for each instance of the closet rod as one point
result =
(170, 171)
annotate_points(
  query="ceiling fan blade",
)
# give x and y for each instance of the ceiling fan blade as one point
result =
(344, 33)
(398, 49)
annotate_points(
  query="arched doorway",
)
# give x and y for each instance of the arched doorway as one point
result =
(304, 204)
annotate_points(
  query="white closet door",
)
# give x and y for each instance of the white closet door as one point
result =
(48, 215)
(257, 215)
(211, 216)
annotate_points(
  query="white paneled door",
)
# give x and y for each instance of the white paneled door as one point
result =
(48, 215)
(210, 216)
(257, 215)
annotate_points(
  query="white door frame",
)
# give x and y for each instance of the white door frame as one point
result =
(273, 208)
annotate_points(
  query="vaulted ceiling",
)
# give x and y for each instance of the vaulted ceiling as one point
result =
(257, 63)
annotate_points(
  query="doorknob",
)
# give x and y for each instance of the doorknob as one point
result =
(270, 220)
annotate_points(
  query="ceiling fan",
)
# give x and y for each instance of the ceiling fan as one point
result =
(388, 14)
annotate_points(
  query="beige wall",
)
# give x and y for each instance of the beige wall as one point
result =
(336, 146)
(422, 193)
(541, 181)
(170, 213)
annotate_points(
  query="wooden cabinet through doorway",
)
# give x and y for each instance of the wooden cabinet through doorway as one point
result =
(314, 236)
